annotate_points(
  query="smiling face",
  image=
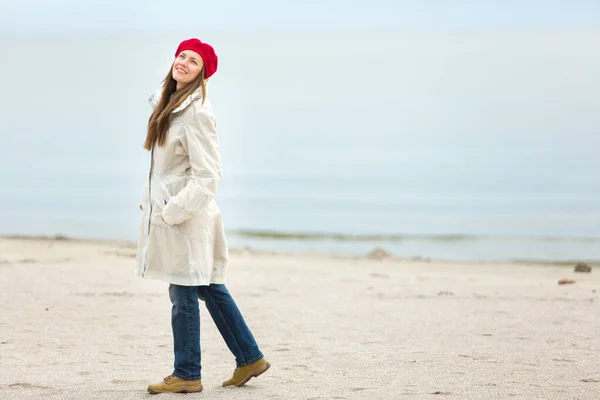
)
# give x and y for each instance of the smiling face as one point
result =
(186, 67)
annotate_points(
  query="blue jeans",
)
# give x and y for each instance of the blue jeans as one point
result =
(185, 321)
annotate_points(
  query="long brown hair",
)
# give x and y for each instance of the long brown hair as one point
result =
(170, 99)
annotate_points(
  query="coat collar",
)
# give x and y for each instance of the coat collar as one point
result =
(155, 98)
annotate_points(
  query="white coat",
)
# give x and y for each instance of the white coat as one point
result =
(189, 247)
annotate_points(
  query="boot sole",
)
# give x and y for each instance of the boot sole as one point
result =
(257, 374)
(180, 390)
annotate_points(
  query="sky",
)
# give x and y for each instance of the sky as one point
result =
(59, 16)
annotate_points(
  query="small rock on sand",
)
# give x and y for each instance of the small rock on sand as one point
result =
(566, 281)
(583, 267)
(379, 253)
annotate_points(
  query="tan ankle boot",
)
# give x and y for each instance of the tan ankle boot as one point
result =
(241, 375)
(173, 384)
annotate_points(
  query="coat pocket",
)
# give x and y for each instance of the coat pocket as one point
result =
(144, 200)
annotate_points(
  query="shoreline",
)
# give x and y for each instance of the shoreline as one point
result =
(442, 237)
(377, 253)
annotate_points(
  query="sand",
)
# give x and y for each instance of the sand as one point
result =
(76, 323)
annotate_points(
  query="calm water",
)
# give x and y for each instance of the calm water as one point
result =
(460, 146)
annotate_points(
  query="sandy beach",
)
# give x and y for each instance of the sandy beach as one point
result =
(77, 324)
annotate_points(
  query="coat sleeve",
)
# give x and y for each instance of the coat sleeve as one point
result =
(205, 162)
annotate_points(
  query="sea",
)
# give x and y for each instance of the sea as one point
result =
(455, 145)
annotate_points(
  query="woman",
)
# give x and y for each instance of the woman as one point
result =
(181, 235)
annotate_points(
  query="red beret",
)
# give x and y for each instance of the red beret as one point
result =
(205, 50)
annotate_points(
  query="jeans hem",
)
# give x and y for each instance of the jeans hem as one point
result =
(251, 361)
(186, 378)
